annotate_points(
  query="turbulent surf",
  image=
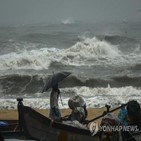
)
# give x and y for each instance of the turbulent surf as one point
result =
(104, 63)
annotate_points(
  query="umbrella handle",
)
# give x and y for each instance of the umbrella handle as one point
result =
(61, 100)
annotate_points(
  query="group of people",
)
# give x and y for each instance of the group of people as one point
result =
(128, 115)
(129, 118)
(76, 104)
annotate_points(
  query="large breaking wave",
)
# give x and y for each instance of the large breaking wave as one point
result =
(88, 52)
(79, 54)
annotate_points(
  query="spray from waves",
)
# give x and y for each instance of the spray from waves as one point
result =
(34, 59)
(68, 21)
(88, 52)
(92, 47)
(76, 55)
(94, 97)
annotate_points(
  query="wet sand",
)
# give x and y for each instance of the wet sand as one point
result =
(13, 114)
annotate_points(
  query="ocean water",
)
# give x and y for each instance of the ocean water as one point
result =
(104, 61)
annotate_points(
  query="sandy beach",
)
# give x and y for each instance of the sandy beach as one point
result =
(13, 114)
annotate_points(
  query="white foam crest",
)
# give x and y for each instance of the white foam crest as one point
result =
(98, 97)
(113, 96)
(131, 58)
(90, 51)
(37, 103)
(94, 97)
(34, 59)
(68, 21)
(92, 47)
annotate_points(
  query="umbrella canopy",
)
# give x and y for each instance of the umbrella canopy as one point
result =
(56, 78)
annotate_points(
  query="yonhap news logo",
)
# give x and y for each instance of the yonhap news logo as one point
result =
(94, 128)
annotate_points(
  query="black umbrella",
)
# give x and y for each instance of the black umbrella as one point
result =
(56, 78)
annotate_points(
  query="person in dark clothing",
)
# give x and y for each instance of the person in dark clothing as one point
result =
(54, 107)
(1, 138)
(134, 113)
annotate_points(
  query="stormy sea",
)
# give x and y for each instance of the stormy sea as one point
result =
(104, 61)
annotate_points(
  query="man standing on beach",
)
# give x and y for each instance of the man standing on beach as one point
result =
(54, 107)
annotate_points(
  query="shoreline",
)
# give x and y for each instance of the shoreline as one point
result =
(92, 113)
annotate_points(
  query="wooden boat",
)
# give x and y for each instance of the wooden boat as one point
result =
(11, 126)
(35, 126)
(38, 127)
(11, 130)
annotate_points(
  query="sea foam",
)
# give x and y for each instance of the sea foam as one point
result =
(68, 21)
(94, 97)
(88, 52)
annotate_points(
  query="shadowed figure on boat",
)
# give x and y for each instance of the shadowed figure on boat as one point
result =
(134, 120)
(130, 116)
(78, 114)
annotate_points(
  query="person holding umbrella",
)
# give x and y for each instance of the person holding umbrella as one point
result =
(54, 107)
(55, 93)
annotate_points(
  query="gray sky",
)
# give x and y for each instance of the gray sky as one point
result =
(46, 11)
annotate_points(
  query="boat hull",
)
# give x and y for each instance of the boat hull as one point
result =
(38, 127)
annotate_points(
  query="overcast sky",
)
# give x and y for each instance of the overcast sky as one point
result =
(46, 11)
